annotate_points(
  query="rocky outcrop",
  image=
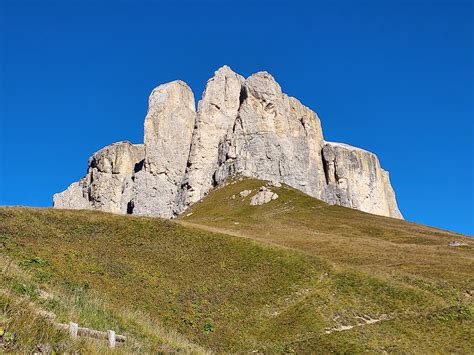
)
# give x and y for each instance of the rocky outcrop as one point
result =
(108, 183)
(274, 137)
(355, 179)
(242, 126)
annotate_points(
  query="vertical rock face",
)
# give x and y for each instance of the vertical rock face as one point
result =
(355, 179)
(168, 130)
(242, 126)
(216, 115)
(274, 138)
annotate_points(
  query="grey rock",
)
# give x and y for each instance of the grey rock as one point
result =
(262, 197)
(75, 196)
(242, 127)
(106, 185)
(216, 115)
(168, 130)
(110, 172)
(355, 179)
(274, 138)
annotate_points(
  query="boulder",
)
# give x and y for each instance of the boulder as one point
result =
(245, 193)
(456, 243)
(262, 197)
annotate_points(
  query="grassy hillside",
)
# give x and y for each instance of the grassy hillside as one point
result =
(291, 276)
(379, 266)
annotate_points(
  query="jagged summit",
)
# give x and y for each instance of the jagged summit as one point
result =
(241, 126)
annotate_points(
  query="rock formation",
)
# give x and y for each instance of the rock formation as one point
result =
(168, 130)
(262, 197)
(242, 126)
(355, 179)
(108, 183)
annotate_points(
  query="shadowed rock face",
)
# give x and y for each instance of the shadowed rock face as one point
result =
(242, 126)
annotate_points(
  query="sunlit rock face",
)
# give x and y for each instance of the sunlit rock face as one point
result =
(355, 179)
(216, 115)
(274, 137)
(168, 129)
(107, 185)
(241, 126)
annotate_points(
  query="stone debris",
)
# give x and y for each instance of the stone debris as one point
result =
(245, 127)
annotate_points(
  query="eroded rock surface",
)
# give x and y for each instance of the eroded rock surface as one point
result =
(217, 112)
(168, 130)
(242, 126)
(107, 185)
(274, 137)
(355, 179)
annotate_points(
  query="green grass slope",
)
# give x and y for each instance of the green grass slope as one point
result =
(294, 275)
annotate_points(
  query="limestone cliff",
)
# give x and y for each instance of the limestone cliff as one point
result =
(355, 179)
(168, 130)
(241, 126)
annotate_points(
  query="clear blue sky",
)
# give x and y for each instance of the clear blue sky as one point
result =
(393, 77)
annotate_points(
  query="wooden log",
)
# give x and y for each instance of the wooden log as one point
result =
(62, 326)
(92, 333)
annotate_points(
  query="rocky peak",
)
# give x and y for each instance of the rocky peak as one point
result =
(263, 87)
(242, 126)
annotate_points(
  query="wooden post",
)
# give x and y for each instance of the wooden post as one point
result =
(111, 338)
(73, 328)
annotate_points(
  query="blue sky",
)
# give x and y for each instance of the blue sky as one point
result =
(393, 77)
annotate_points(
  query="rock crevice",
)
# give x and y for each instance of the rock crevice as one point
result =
(241, 126)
